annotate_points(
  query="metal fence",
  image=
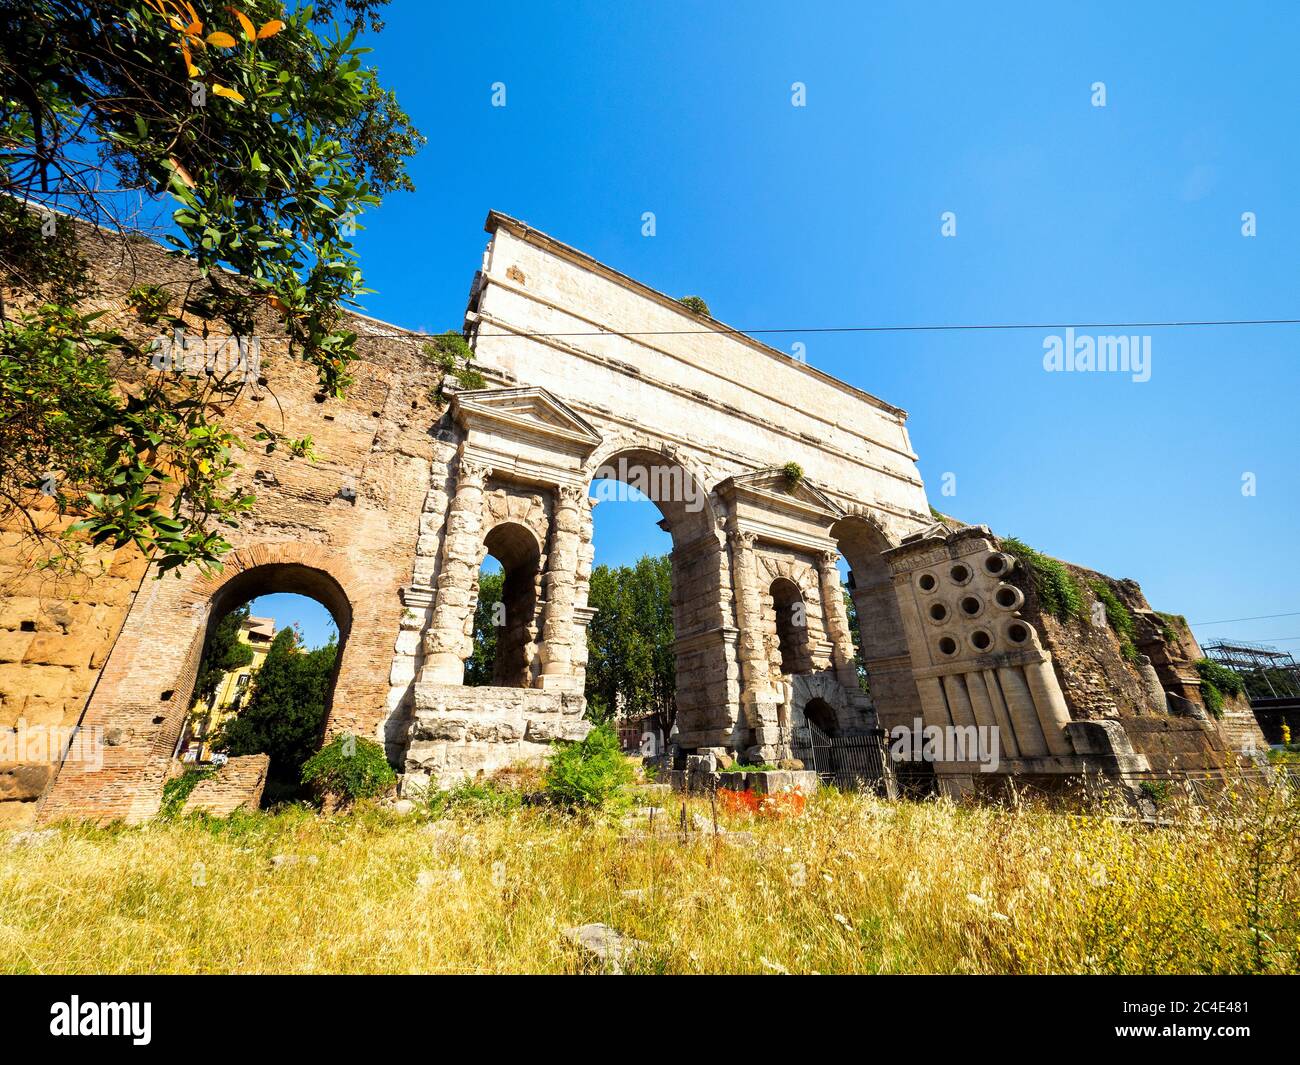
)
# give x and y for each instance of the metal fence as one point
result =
(852, 763)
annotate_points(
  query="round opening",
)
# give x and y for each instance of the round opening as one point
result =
(1007, 597)
(938, 612)
(948, 645)
(960, 573)
(927, 582)
(1017, 633)
(995, 563)
(971, 605)
(981, 640)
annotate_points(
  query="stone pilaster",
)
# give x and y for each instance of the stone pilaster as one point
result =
(761, 704)
(444, 648)
(562, 580)
(836, 619)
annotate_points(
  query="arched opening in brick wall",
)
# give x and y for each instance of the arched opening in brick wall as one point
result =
(294, 616)
(790, 614)
(504, 620)
(821, 714)
(635, 492)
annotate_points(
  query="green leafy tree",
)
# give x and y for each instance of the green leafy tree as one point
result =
(225, 653)
(268, 141)
(481, 665)
(631, 666)
(285, 712)
(855, 634)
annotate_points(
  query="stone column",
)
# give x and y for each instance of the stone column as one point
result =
(562, 566)
(444, 647)
(760, 702)
(836, 619)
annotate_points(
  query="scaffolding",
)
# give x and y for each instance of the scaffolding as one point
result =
(1267, 672)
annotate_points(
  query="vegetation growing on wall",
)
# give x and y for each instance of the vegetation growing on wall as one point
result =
(694, 303)
(1056, 587)
(1173, 627)
(451, 354)
(1217, 683)
(1118, 618)
(793, 473)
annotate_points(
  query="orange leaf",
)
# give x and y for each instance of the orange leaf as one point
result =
(181, 172)
(221, 90)
(219, 39)
(270, 29)
(250, 31)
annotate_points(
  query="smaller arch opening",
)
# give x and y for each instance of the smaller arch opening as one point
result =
(821, 715)
(791, 626)
(505, 615)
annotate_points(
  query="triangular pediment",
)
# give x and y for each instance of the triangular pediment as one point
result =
(531, 409)
(775, 485)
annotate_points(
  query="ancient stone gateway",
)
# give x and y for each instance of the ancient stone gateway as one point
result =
(765, 470)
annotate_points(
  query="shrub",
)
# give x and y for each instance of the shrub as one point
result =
(694, 303)
(449, 352)
(1053, 582)
(477, 797)
(1118, 618)
(177, 790)
(1217, 682)
(350, 768)
(793, 473)
(149, 302)
(592, 773)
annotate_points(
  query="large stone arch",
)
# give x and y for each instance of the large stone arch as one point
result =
(137, 711)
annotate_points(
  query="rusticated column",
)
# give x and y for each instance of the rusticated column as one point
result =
(562, 576)
(760, 702)
(836, 619)
(444, 647)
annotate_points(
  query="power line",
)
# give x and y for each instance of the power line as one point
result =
(970, 327)
(1257, 617)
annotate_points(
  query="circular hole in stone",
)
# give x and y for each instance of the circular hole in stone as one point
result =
(971, 605)
(948, 645)
(1018, 633)
(995, 564)
(927, 582)
(1008, 598)
(981, 640)
(938, 612)
(960, 573)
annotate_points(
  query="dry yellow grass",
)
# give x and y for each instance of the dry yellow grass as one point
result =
(852, 885)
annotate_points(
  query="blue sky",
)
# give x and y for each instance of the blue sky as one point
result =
(830, 215)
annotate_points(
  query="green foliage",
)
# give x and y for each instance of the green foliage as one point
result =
(631, 663)
(285, 712)
(793, 473)
(761, 767)
(449, 352)
(269, 140)
(481, 664)
(1218, 682)
(1172, 627)
(855, 634)
(350, 768)
(1118, 618)
(1056, 587)
(476, 798)
(225, 653)
(146, 468)
(149, 302)
(1155, 790)
(591, 774)
(177, 790)
(695, 304)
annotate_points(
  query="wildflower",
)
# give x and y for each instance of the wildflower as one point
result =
(976, 899)
(773, 966)
(841, 919)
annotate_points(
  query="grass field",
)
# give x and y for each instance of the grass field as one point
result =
(852, 884)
